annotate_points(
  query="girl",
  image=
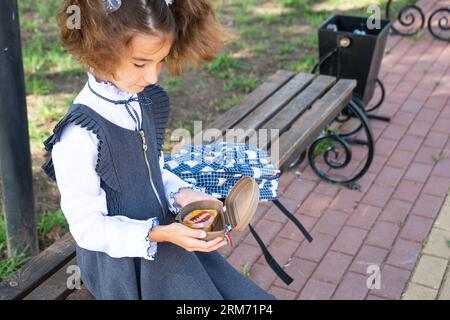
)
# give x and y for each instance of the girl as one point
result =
(106, 154)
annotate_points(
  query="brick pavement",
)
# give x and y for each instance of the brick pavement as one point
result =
(390, 219)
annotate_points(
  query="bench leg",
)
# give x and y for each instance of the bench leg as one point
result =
(335, 150)
(377, 105)
(404, 16)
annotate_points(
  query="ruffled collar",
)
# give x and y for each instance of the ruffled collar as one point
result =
(108, 89)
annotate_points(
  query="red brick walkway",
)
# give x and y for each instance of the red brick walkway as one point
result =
(386, 222)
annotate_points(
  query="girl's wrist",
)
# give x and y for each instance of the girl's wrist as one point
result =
(183, 196)
(189, 195)
(156, 234)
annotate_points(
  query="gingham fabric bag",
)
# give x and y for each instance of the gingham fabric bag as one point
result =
(218, 167)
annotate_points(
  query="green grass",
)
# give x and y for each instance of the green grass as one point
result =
(44, 57)
(48, 109)
(305, 64)
(252, 33)
(287, 48)
(229, 103)
(47, 226)
(243, 19)
(10, 265)
(50, 225)
(173, 85)
(438, 157)
(427, 70)
(417, 37)
(247, 270)
(223, 67)
(259, 48)
(324, 146)
(2, 230)
(317, 21)
(294, 3)
(246, 83)
(268, 19)
(37, 86)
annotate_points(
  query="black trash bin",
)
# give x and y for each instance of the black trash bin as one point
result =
(353, 54)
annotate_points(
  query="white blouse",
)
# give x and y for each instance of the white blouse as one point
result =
(83, 201)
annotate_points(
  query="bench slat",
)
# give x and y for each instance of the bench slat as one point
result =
(249, 103)
(38, 269)
(283, 120)
(313, 121)
(278, 101)
(55, 287)
(82, 294)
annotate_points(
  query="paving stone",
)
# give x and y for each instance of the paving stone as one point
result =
(419, 292)
(430, 271)
(368, 256)
(393, 282)
(416, 228)
(443, 220)
(404, 254)
(352, 287)
(444, 293)
(349, 240)
(436, 244)
(317, 290)
(332, 267)
(282, 294)
(383, 234)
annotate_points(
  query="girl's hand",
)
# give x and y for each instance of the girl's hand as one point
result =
(185, 237)
(186, 196)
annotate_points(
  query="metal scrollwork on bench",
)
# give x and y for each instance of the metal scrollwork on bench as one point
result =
(411, 20)
(407, 17)
(331, 155)
(442, 29)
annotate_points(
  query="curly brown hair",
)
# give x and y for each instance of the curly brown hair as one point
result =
(101, 39)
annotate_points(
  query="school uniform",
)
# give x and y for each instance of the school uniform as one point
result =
(106, 157)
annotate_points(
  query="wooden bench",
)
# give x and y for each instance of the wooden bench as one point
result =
(302, 107)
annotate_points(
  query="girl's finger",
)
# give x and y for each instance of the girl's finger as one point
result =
(217, 246)
(201, 245)
(214, 242)
(193, 243)
(212, 245)
(192, 233)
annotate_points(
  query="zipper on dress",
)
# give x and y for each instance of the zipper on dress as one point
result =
(145, 147)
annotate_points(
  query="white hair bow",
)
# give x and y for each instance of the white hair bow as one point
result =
(114, 5)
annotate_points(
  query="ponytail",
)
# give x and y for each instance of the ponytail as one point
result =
(199, 35)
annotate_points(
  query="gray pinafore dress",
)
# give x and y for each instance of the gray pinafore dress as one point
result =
(175, 274)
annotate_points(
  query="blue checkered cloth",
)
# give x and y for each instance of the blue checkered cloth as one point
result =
(218, 167)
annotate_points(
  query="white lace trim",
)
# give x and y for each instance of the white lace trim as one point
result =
(108, 89)
(152, 246)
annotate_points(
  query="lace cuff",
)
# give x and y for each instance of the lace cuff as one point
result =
(172, 205)
(152, 246)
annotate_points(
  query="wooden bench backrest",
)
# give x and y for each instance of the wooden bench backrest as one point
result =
(299, 106)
